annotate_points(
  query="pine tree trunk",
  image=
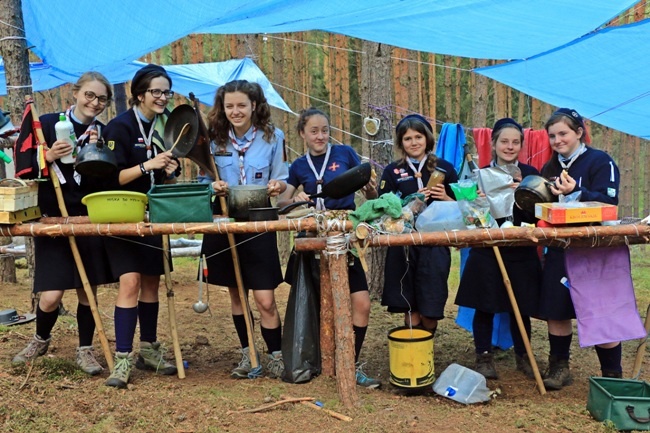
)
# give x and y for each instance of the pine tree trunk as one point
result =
(376, 100)
(480, 103)
(13, 50)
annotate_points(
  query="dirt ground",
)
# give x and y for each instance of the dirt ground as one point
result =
(59, 398)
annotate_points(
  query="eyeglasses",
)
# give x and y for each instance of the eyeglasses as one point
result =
(157, 93)
(90, 97)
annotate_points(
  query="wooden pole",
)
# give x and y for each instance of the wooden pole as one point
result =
(344, 352)
(171, 307)
(640, 351)
(326, 319)
(520, 323)
(75, 250)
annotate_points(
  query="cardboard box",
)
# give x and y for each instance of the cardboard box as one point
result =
(576, 212)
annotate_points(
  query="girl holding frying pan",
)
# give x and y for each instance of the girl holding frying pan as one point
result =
(415, 278)
(322, 163)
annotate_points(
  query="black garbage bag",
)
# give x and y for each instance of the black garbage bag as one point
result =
(301, 334)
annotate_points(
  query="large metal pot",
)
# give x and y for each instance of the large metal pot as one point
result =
(533, 189)
(241, 198)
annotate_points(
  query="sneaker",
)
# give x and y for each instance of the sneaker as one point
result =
(122, 370)
(86, 360)
(275, 366)
(364, 380)
(244, 367)
(151, 357)
(558, 374)
(523, 365)
(36, 347)
(485, 365)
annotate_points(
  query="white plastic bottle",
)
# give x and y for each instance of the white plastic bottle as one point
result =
(65, 131)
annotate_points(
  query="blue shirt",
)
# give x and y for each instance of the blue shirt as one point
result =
(342, 158)
(263, 160)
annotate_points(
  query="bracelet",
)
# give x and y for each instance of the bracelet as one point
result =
(142, 169)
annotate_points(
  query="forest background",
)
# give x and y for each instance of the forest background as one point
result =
(352, 79)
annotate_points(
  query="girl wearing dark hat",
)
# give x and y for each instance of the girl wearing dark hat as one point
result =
(135, 137)
(481, 285)
(415, 277)
(55, 268)
(249, 150)
(576, 167)
(322, 163)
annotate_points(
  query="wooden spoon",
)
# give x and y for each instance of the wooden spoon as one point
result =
(184, 130)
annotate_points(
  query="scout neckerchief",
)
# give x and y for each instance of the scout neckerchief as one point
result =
(80, 140)
(568, 162)
(320, 202)
(242, 150)
(418, 172)
(151, 152)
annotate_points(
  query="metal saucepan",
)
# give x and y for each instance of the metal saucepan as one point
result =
(347, 183)
(175, 122)
(95, 159)
(263, 214)
(241, 198)
(533, 189)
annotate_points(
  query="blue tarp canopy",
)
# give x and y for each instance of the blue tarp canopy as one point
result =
(603, 75)
(201, 79)
(525, 31)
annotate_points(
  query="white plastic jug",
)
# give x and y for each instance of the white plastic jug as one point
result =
(462, 385)
(65, 132)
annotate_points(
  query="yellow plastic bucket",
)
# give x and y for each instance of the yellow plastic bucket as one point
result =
(410, 352)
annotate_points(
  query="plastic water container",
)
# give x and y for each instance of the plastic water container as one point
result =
(65, 132)
(462, 385)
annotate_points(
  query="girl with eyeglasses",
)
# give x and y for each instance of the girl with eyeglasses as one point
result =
(55, 268)
(136, 138)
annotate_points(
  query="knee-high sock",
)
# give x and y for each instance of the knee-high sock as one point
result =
(482, 326)
(86, 324)
(272, 338)
(45, 322)
(240, 326)
(125, 321)
(148, 317)
(560, 345)
(610, 359)
(518, 342)
(359, 336)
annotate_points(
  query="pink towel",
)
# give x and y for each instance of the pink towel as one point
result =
(603, 295)
(537, 149)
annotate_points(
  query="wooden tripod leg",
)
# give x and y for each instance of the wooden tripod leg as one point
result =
(520, 322)
(640, 351)
(172, 309)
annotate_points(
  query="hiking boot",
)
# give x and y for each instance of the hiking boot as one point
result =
(36, 347)
(275, 366)
(122, 370)
(244, 366)
(558, 374)
(485, 365)
(364, 380)
(86, 360)
(151, 357)
(612, 374)
(523, 365)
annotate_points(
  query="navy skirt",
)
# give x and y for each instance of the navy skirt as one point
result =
(482, 288)
(141, 254)
(259, 260)
(55, 268)
(555, 300)
(419, 284)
